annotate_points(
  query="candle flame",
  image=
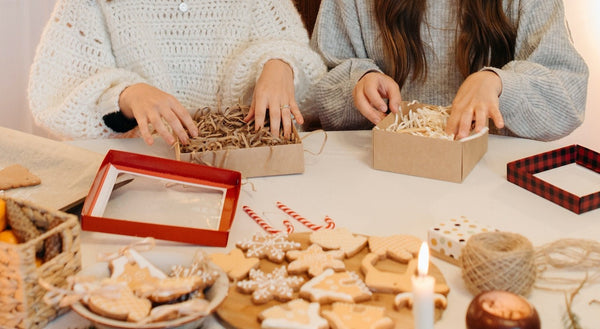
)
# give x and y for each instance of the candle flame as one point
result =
(423, 264)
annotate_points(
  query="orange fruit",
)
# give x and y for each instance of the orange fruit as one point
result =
(2, 215)
(9, 237)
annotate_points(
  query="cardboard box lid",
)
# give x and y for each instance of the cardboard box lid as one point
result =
(168, 199)
(425, 156)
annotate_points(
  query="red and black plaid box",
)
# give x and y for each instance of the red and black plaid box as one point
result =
(521, 172)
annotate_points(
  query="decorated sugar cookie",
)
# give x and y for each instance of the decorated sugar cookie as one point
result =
(332, 286)
(135, 269)
(268, 286)
(270, 246)
(314, 260)
(128, 307)
(339, 238)
(296, 314)
(357, 316)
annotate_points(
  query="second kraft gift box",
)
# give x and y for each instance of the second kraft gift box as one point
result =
(404, 153)
(165, 199)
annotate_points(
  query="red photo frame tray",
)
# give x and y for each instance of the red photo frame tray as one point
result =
(521, 172)
(226, 180)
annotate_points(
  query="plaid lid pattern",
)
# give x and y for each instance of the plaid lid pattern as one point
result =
(520, 172)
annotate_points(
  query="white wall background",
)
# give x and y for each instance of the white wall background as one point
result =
(21, 22)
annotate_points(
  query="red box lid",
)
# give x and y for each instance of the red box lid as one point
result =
(167, 199)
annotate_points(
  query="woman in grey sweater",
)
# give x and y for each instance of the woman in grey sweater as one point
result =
(509, 60)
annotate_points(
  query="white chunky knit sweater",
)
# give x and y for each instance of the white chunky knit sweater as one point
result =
(209, 55)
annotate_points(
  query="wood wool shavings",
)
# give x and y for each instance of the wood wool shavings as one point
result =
(427, 121)
(228, 130)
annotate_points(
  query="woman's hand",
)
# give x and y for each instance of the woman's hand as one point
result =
(476, 101)
(369, 94)
(150, 105)
(274, 90)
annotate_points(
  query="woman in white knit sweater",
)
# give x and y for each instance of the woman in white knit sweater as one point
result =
(104, 67)
(509, 60)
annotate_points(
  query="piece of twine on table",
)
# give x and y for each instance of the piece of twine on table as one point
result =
(508, 261)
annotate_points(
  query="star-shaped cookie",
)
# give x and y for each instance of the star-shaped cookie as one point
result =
(235, 264)
(314, 260)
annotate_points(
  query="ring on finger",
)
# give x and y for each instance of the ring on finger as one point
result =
(284, 106)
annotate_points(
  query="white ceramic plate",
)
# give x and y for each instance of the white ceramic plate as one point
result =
(164, 261)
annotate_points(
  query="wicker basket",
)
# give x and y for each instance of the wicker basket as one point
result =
(21, 296)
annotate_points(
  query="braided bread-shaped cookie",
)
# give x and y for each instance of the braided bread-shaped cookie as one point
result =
(21, 225)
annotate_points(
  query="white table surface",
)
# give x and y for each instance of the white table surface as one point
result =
(340, 182)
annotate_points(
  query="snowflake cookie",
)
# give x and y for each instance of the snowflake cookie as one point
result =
(314, 260)
(270, 246)
(268, 286)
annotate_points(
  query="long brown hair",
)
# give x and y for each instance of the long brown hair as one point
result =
(484, 30)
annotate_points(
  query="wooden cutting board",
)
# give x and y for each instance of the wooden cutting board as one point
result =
(238, 310)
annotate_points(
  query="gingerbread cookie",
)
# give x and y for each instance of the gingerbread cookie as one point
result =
(267, 286)
(17, 176)
(168, 312)
(135, 270)
(169, 289)
(332, 286)
(296, 314)
(400, 247)
(21, 225)
(314, 260)
(353, 316)
(198, 269)
(121, 305)
(270, 246)
(235, 264)
(392, 282)
(339, 238)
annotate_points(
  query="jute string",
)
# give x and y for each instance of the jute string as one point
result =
(508, 261)
(498, 261)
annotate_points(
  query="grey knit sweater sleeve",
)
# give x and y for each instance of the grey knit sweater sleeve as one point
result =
(338, 39)
(544, 87)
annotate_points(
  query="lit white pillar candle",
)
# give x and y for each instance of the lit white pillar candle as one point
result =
(422, 284)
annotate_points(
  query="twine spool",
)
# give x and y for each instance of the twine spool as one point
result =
(498, 261)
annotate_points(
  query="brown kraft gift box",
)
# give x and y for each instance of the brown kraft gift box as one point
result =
(253, 161)
(404, 153)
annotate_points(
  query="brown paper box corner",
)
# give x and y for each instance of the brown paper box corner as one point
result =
(425, 156)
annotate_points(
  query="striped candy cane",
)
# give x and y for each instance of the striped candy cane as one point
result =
(304, 221)
(263, 223)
